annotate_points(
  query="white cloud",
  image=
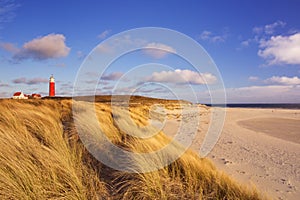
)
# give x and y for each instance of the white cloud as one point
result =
(209, 36)
(245, 43)
(262, 32)
(269, 29)
(261, 94)
(19, 80)
(80, 55)
(37, 81)
(9, 47)
(4, 94)
(4, 84)
(183, 76)
(104, 48)
(93, 78)
(253, 78)
(118, 43)
(205, 35)
(32, 81)
(281, 49)
(42, 48)
(158, 50)
(257, 30)
(112, 76)
(284, 80)
(279, 90)
(124, 90)
(155, 50)
(261, 90)
(104, 34)
(127, 40)
(7, 11)
(248, 42)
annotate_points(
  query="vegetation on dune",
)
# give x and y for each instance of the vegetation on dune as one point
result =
(42, 157)
(36, 161)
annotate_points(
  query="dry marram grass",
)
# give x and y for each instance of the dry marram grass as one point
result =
(42, 157)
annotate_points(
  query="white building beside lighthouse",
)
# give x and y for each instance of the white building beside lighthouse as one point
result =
(20, 95)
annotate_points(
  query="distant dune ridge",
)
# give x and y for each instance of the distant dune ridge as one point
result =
(42, 157)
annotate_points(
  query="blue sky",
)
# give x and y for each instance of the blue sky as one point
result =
(254, 44)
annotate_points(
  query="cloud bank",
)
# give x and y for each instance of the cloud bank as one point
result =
(284, 80)
(183, 76)
(263, 94)
(32, 81)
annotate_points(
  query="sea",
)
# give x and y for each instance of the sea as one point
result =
(259, 105)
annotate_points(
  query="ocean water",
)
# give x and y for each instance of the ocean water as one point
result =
(260, 105)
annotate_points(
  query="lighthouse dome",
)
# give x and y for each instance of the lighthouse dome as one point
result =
(52, 78)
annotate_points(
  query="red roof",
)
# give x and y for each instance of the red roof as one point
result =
(36, 95)
(17, 93)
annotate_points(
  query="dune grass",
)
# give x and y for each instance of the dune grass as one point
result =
(42, 157)
(35, 159)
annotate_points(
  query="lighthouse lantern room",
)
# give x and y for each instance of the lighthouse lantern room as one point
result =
(51, 86)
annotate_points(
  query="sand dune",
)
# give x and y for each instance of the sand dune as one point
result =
(42, 156)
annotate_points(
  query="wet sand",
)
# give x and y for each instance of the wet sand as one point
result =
(283, 128)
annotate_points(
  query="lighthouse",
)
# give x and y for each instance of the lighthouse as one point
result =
(51, 86)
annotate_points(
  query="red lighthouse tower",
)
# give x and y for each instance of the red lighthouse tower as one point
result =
(51, 86)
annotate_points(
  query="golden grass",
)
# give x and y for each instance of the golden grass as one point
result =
(42, 157)
(35, 160)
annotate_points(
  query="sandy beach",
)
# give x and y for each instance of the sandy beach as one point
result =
(258, 147)
(261, 147)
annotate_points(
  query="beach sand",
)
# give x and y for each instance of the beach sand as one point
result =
(283, 128)
(258, 147)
